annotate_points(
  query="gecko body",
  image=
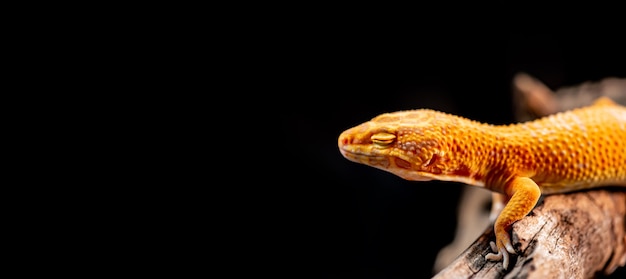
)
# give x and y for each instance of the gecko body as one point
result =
(575, 150)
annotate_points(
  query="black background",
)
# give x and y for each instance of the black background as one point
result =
(340, 219)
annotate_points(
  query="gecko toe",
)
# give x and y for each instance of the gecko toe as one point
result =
(493, 256)
(494, 248)
(509, 247)
(505, 261)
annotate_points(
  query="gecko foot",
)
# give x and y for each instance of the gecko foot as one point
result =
(501, 254)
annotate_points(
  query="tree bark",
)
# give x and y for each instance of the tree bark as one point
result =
(575, 235)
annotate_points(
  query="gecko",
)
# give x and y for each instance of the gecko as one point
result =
(579, 149)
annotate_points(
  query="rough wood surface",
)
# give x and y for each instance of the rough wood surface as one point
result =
(577, 235)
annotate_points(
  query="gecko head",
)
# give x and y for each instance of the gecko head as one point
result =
(410, 144)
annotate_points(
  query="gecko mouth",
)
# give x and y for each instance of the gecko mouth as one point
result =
(397, 166)
(369, 159)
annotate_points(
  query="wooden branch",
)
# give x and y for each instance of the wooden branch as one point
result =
(576, 235)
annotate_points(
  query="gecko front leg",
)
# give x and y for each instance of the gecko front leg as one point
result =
(498, 201)
(523, 195)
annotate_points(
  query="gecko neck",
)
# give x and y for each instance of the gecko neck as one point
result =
(472, 152)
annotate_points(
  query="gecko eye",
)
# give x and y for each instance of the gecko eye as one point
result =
(383, 139)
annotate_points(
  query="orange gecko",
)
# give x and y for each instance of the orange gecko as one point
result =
(575, 150)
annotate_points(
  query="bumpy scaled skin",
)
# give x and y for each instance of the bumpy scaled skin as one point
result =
(575, 150)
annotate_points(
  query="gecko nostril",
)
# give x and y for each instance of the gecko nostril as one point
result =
(344, 140)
